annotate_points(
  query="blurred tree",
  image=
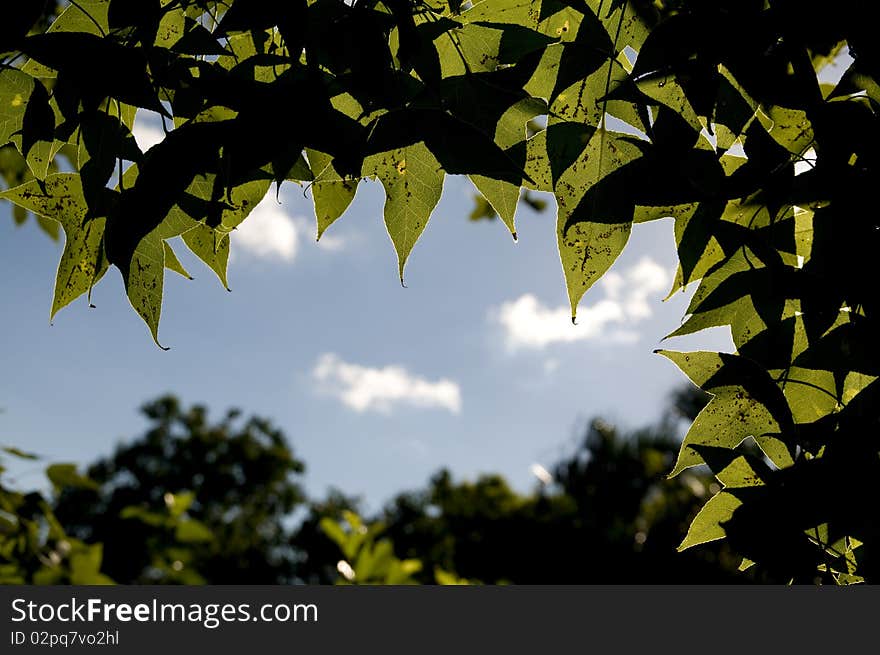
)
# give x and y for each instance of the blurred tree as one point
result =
(367, 559)
(316, 553)
(242, 479)
(194, 502)
(34, 548)
(608, 515)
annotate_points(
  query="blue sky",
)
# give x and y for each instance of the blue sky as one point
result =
(475, 366)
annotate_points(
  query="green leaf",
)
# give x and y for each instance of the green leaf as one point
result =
(588, 245)
(103, 140)
(413, 182)
(239, 202)
(854, 384)
(811, 394)
(459, 147)
(369, 561)
(515, 12)
(348, 542)
(698, 250)
(706, 525)
(746, 403)
(502, 196)
(455, 50)
(665, 90)
(331, 193)
(50, 227)
(66, 475)
(172, 27)
(190, 531)
(790, 128)
(735, 468)
(587, 250)
(212, 247)
(512, 126)
(179, 503)
(85, 565)
(144, 278)
(544, 79)
(20, 216)
(15, 91)
(446, 578)
(172, 263)
(27, 119)
(734, 110)
(143, 515)
(88, 16)
(585, 101)
(482, 209)
(143, 265)
(622, 21)
(300, 171)
(538, 165)
(16, 452)
(82, 262)
(40, 158)
(401, 571)
(727, 293)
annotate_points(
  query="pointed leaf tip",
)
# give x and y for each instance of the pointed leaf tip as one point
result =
(590, 237)
(60, 198)
(413, 183)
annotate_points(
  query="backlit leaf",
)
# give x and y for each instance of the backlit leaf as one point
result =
(82, 263)
(413, 181)
(502, 196)
(746, 403)
(172, 263)
(706, 526)
(588, 242)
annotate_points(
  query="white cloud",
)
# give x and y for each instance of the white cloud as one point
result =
(329, 242)
(633, 287)
(529, 324)
(268, 232)
(148, 130)
(383, 389)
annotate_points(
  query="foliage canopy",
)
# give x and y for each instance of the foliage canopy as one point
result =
(712, 113)
(194, 501)
(239, 476)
